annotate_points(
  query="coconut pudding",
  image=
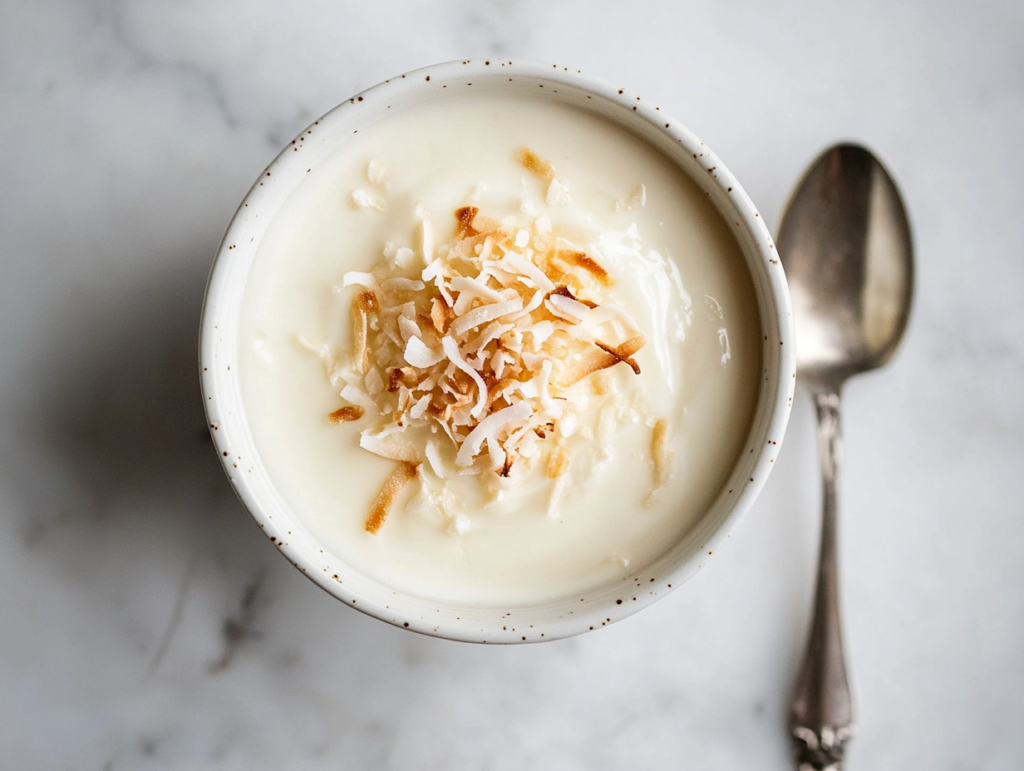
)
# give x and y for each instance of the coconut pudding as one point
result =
(498, 351)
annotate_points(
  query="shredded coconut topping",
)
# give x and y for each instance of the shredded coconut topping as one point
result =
(481, 352)
(482, 348)
(661, 458)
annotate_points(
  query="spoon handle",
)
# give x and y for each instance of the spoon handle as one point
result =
(821, 717)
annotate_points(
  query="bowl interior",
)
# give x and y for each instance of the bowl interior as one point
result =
(234, 440)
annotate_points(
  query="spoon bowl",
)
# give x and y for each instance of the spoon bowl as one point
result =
(845, 244)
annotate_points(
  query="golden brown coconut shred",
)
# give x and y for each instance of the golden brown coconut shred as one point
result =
(581, 260)
(565, 291)
(363, 305)
(465, 217)
(393, 485)
(662, 459)
(608, 357)
(533, 163)
(558, 462)
(346, 414)
(621, 357)
(400, 376)
(441, 314)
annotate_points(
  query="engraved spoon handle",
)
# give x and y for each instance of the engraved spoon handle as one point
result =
(821, 717)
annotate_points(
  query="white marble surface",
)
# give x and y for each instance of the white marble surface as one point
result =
(146, 623)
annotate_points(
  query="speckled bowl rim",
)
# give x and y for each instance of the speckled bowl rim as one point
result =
(560, 618)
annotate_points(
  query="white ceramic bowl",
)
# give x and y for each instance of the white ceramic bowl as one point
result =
(233, 438)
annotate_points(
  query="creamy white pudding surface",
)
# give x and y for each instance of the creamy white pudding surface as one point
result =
(462, 532)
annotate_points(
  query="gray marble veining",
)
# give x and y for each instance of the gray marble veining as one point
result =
(148, 625)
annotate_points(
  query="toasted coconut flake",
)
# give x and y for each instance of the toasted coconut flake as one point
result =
(385, 499)
(534, 163)
(602, 360)
(558, 462)
(399, 376)
(346, 414)
(565, 291)
(661, 458)
(465, 217)
(582, 260)
(659, 453)
(614, 352)
(360, 326)
(486, 226)
(367, 301)
(441, 314)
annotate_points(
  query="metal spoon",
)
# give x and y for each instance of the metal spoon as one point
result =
(845, 244)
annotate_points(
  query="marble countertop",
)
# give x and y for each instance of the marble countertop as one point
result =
(146, 622)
